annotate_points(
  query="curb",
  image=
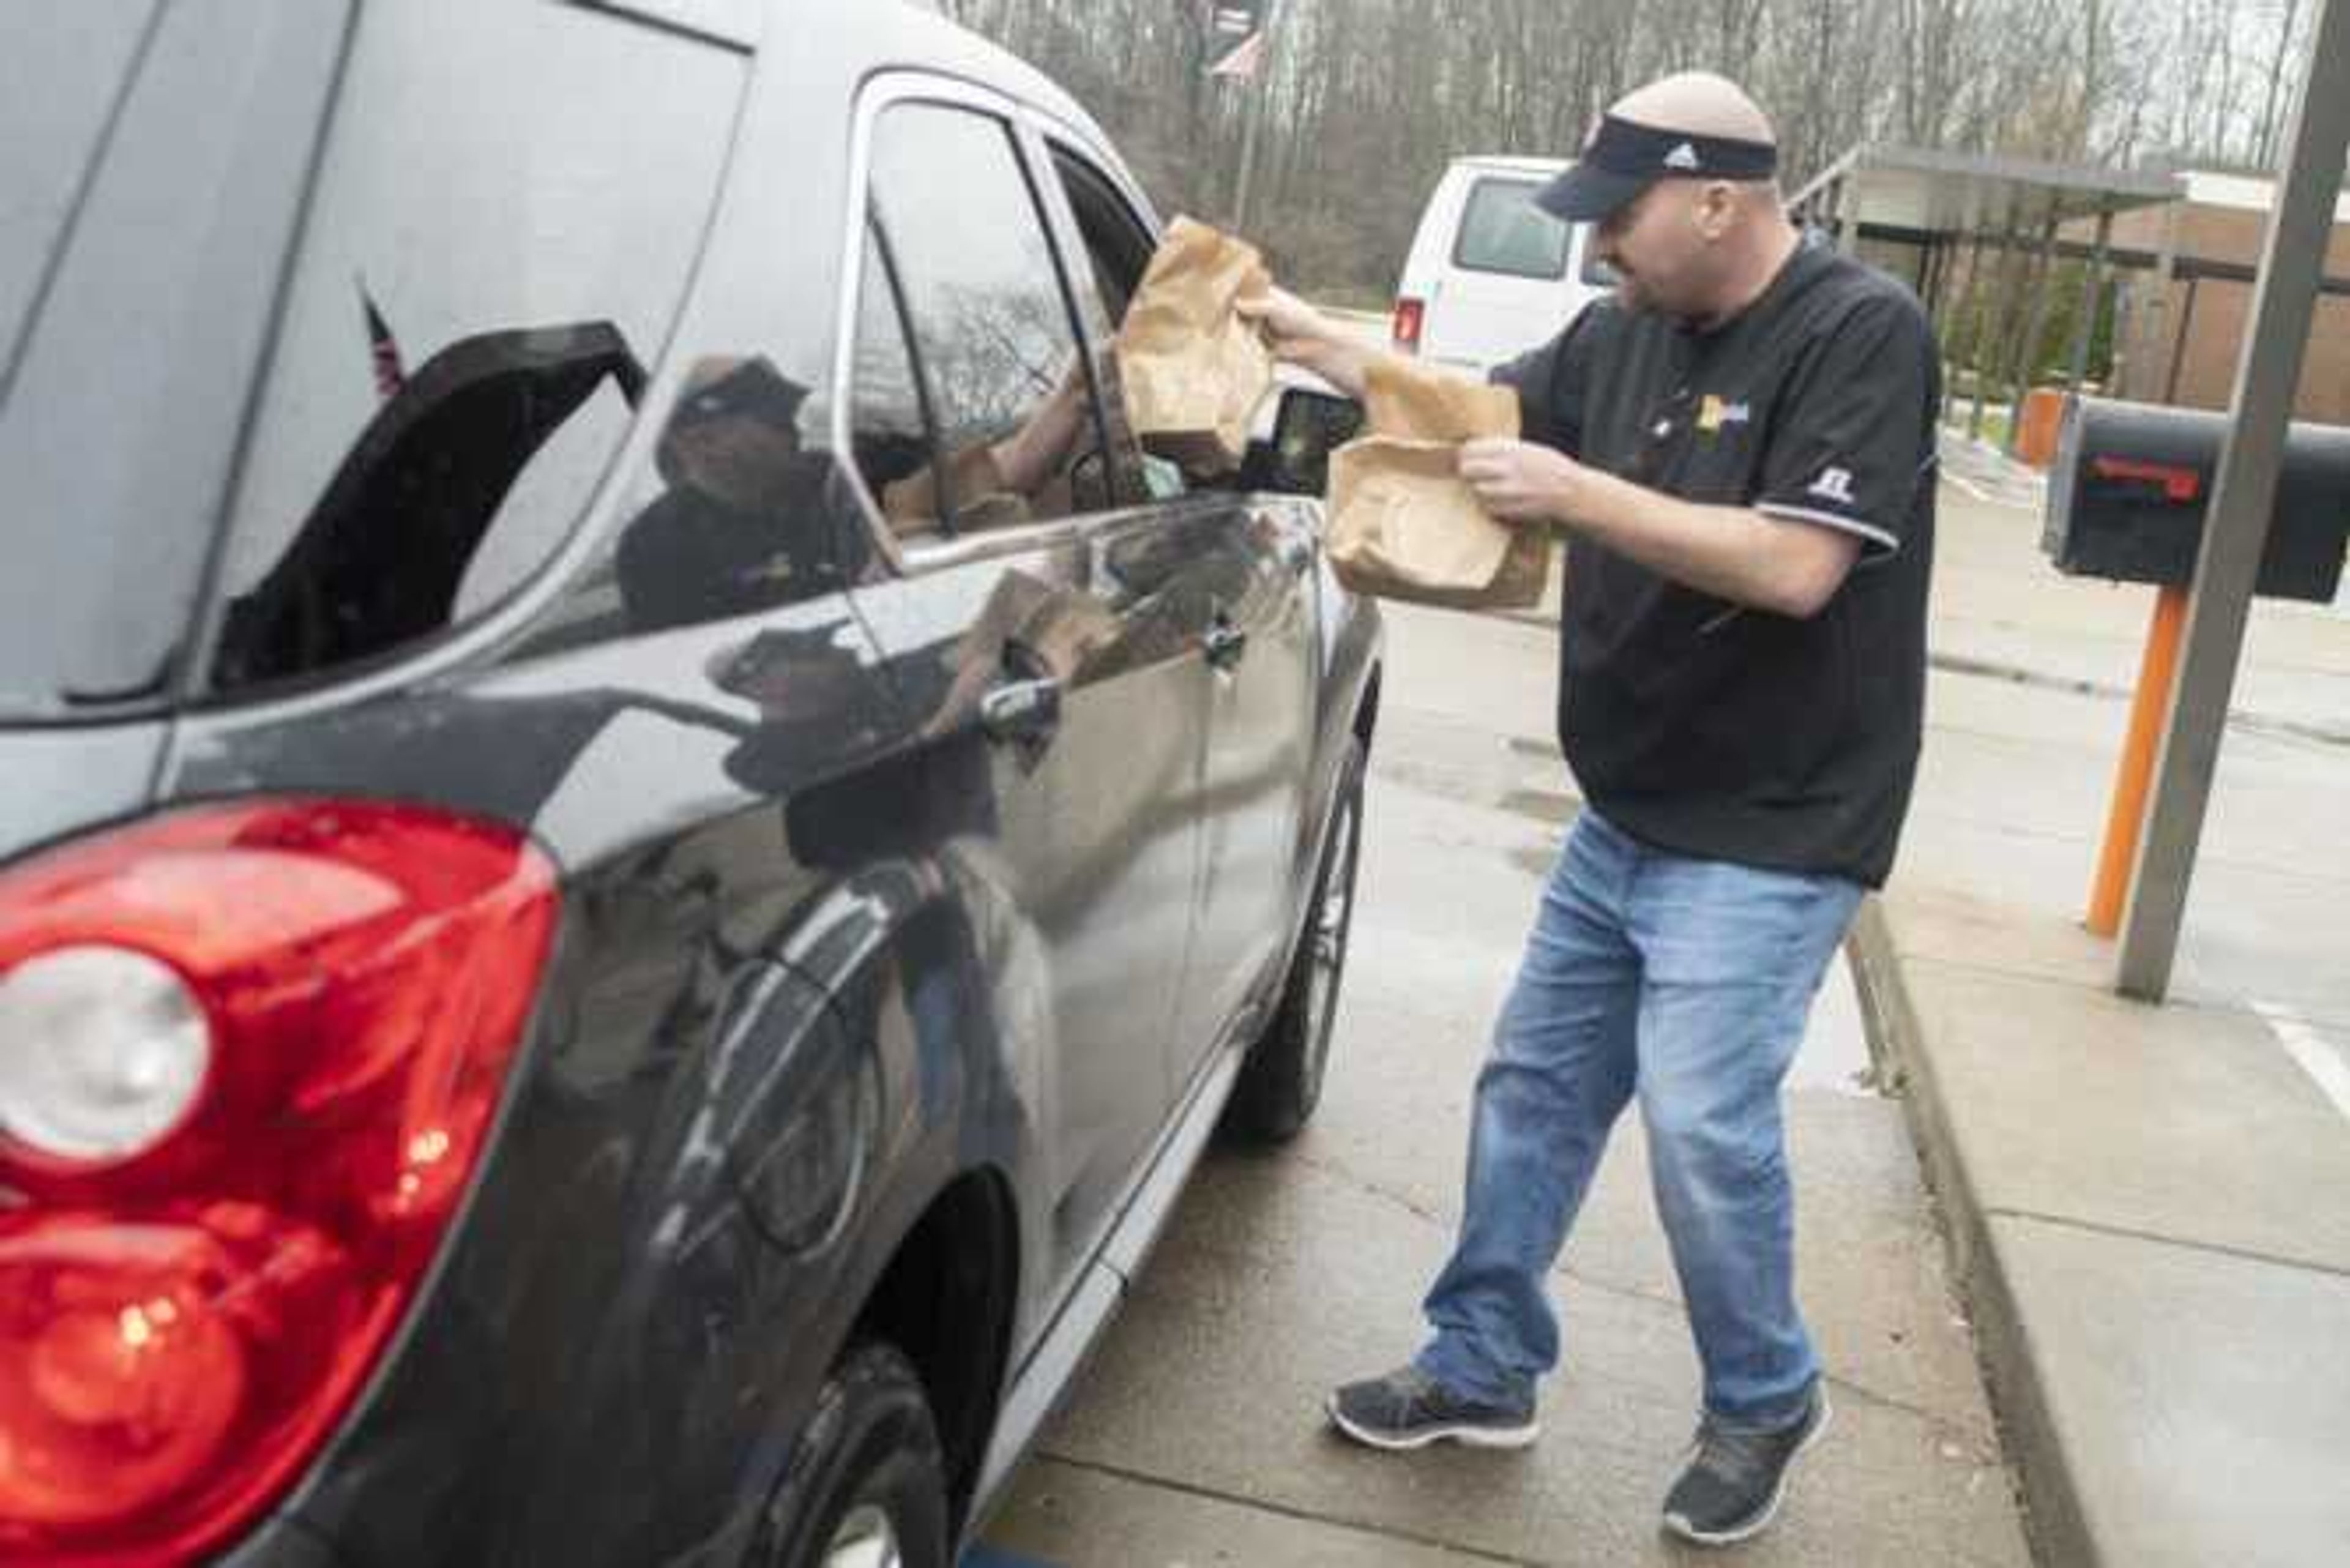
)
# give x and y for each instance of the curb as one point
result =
(2237, 718)
(2054, 1526)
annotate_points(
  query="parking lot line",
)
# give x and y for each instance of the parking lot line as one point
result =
(2317, 1056)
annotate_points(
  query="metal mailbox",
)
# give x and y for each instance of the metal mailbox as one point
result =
(2132, 482)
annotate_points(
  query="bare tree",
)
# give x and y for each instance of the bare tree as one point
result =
(1366, 99)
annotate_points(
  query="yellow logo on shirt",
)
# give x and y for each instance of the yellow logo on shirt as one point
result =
(1713, 414)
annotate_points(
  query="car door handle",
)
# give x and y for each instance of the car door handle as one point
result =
(1226, 645)
(1026, 712)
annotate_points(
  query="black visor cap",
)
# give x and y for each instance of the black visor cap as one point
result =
(1625, 158)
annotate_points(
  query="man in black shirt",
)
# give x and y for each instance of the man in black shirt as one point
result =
(1739, 446)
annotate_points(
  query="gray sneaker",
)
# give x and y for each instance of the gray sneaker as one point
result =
(1408, 1409)
(1734, 1481)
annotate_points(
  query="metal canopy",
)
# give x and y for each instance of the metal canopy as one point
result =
(1934, 203)
(1954, 193)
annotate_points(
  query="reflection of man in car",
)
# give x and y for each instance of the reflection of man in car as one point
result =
(749, 519)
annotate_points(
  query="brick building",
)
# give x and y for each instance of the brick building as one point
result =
(2220, 227)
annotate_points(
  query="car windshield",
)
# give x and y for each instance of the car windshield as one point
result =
(152, 158)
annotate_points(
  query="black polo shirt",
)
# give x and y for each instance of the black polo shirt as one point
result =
(1732, 733)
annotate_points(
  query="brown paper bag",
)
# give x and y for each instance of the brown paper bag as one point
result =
(982, 499)
(1402, 398)
(1403, 523)
(1404, 526)
(1193, 369)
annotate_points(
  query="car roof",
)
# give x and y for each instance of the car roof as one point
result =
(934, 43)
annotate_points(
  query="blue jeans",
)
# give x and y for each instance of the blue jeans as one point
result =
(1687, 983)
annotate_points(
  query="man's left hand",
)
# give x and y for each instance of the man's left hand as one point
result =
(1520, 482)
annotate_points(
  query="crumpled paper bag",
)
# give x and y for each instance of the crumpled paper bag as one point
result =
(1403, 525)
(983, 500)
(1194, 370)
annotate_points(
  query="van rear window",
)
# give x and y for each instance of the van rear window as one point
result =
(1503, 231)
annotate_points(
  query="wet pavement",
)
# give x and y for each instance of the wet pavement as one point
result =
(1196, 1437)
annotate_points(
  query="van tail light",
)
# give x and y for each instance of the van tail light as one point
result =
(249, 1055)
(1408, 315)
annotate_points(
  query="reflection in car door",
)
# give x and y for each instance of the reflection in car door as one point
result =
(1247, 563)
(1047, 650)
(1253, 566)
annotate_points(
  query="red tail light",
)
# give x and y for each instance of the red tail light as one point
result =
(1408, 314)
(248, 1056)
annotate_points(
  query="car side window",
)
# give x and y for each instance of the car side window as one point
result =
(998, 355)
(484, 285)
(889, 429)
(1116, 248)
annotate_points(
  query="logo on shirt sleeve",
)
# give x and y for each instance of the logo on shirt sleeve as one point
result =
(1833, 485)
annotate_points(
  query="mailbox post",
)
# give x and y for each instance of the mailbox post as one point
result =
(2157, 673)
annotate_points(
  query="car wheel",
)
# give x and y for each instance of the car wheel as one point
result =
(868, 1486)
(1282, 1081)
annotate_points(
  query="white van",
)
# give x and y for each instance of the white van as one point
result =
(1491, 275)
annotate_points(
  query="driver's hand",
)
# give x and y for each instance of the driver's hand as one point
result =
(1069, 391)
(1033, 452)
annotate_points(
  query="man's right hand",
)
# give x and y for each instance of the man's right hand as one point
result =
(1291, 325)
(1303, 336)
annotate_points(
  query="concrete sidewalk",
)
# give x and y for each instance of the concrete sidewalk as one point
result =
(2148, 1208)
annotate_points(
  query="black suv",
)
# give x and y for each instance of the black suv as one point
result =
(641, 841)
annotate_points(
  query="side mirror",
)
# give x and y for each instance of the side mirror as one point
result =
(1308, 427)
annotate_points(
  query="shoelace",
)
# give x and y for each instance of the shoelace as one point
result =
(1410, 1388)
(1735, 1456)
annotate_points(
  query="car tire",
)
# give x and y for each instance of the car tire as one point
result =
(868, 1483)
(1281, 1082)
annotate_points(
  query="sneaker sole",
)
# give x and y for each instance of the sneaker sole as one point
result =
(1461, 1433)
(1756, 1526)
